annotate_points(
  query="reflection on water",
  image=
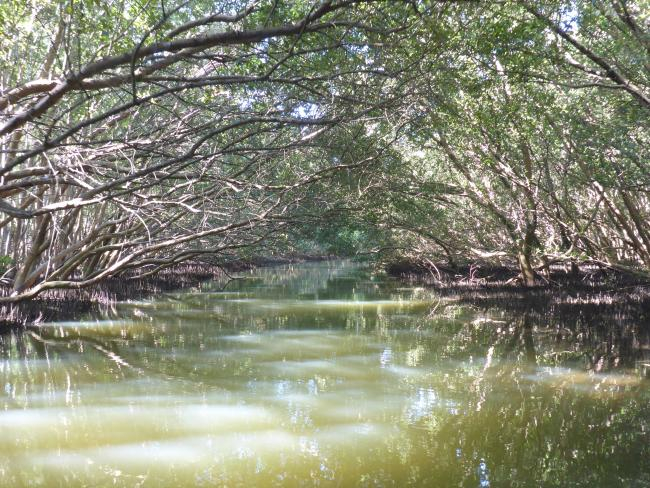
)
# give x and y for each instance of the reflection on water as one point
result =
(324, 375)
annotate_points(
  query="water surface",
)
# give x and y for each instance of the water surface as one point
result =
(322, 375)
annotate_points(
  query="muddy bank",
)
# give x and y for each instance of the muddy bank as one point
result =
(606, 309)
(65, 304)
(592, 289)
(498, 277)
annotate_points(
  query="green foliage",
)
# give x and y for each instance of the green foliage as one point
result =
(342, 241)
(5, 263)
(438, 130)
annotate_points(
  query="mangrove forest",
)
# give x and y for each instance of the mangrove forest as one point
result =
(325, 243)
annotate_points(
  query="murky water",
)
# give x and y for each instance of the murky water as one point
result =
(321, 375)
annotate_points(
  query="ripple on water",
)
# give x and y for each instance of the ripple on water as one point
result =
(83, 426)
(583, 381)
(88, 324)
(344, 436)
(217, 395)
(315, 304)
(170, 454)
(313, 367)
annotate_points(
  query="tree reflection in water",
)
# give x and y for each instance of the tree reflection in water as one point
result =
(325, 375)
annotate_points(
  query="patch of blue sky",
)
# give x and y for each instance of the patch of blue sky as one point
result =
(308, 110)
(569, 18)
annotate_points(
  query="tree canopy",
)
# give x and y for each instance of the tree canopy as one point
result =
(135, 135)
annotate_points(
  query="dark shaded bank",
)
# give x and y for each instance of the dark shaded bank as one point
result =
(602, 311)
(490, 275)
(493, 286)
(66, 304)
(608, 284)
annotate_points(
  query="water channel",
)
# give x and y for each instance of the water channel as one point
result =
(321, 375)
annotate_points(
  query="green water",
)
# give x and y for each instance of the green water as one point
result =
(322, 375)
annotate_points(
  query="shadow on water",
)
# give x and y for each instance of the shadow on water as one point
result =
(601, 331)
(328, 374)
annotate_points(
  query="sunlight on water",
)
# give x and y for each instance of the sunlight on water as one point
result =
(318, 375)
